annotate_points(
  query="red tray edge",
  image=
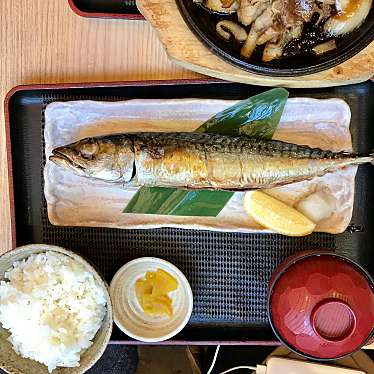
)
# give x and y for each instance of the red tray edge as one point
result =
(268, 343)
(8, 150)
(149, 82)
(56, 86)
(81, 13)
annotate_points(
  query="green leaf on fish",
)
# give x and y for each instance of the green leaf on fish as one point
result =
(177, 202)
(256, 117)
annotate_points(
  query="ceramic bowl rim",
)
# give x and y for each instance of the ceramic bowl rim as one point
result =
(41, 248)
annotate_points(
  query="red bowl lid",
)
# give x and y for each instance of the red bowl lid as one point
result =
(322, 306)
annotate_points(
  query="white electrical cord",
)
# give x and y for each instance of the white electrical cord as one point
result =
(229, 370)
(214, 359)
(237, 368)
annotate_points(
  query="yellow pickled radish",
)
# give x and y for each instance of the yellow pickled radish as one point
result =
(162, 305)
(146, 302)
(150, 276)
(142, 287)
(164, 298)
(152, 292)
(163, 283)
(276, 215)
(157, 305)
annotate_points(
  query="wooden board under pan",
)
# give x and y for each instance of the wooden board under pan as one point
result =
(184, 48)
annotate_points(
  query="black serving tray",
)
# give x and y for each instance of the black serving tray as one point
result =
(106, 9)
(228, 272)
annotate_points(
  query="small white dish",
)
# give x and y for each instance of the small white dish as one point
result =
(129, 315)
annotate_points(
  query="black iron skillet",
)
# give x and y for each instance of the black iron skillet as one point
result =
(203, 24)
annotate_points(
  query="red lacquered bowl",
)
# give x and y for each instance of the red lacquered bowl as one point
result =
(321, 305)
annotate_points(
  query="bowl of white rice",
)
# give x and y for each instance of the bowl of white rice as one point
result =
(55, 312)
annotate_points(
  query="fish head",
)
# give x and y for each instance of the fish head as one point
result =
(110, 158)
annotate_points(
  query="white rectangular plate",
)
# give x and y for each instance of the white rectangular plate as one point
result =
(77, 201)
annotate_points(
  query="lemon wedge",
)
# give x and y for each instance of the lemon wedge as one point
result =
(276, 215)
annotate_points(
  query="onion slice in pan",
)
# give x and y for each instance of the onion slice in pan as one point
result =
(351, 16)
(218, 8)
(227, 28)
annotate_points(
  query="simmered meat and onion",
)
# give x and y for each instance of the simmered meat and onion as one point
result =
(287, 27)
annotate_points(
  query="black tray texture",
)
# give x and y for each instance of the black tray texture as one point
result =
(228, 272)
(98, 8)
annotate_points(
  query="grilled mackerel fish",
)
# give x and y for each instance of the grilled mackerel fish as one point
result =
(198, 160)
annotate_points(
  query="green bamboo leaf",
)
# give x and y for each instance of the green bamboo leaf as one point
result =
(257, 117)
(152, 200)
